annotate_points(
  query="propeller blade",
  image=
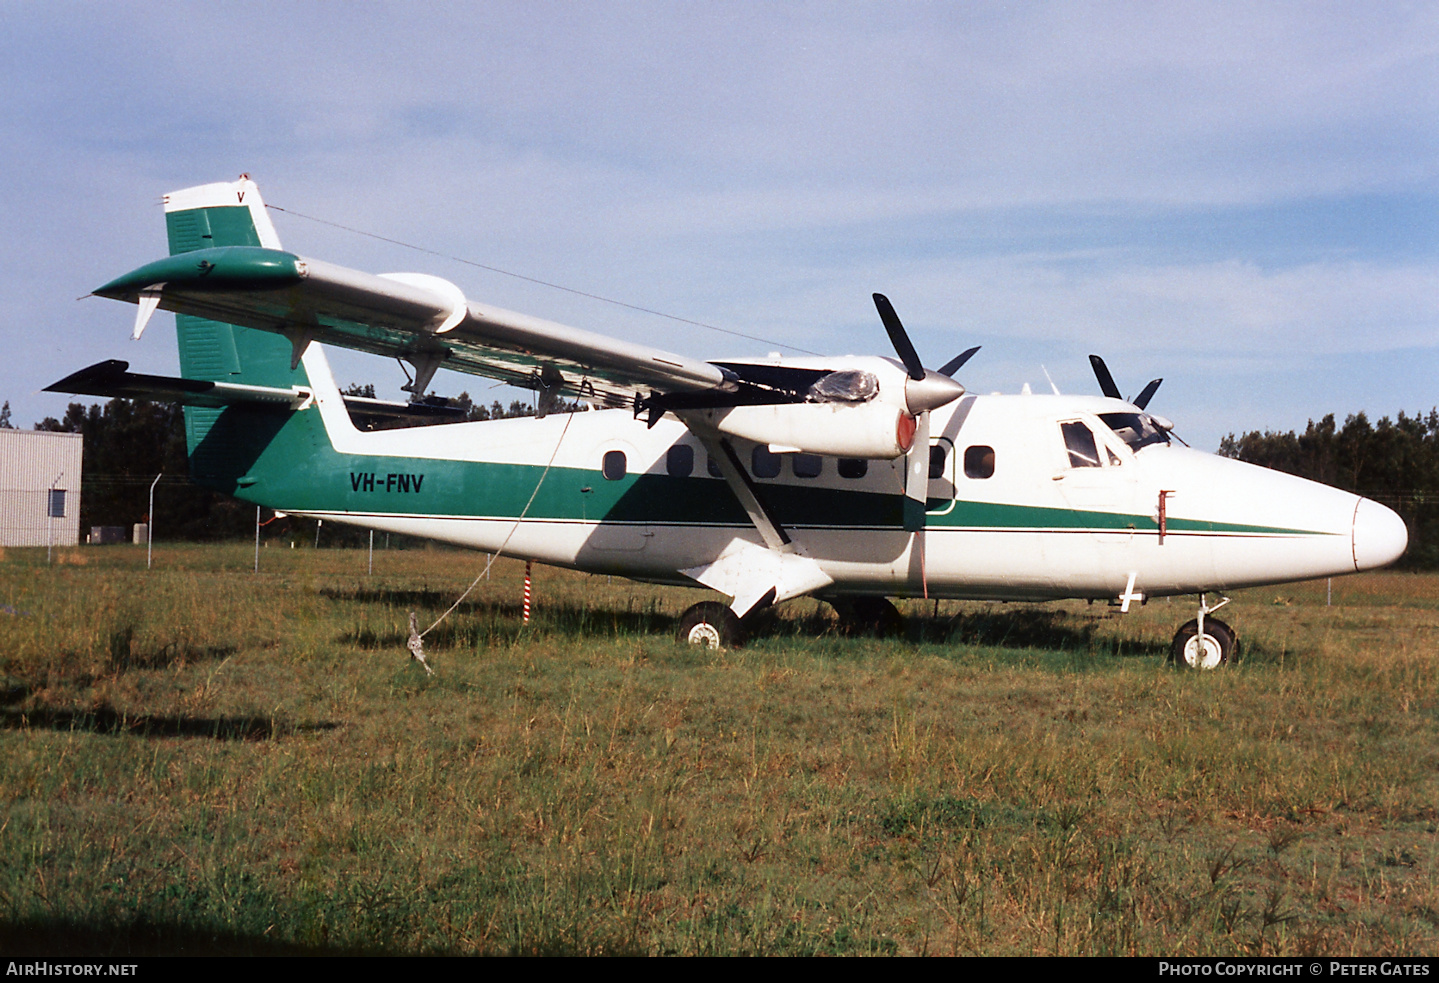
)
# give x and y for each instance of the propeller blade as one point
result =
(1106, 381)
(898, 338)
(953, 365)
(1142, 400)
(916, 478)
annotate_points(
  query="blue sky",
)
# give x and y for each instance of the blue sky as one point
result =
(1242, 198)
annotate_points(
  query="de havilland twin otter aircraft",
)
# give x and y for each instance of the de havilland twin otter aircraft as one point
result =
(851, 479)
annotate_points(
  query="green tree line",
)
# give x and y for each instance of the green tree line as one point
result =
(1395, 462)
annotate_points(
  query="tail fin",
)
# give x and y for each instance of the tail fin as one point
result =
(222, 443)
(230, 214)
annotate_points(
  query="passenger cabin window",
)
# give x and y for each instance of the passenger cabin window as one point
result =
(979, 461)
(807, 465)
(680, 461)
(713, 468)
(936, 461)
(1079, 441)
(613, 467)
(764, 464)
(853, 467)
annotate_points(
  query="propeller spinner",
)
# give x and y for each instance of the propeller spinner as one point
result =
(924, 390)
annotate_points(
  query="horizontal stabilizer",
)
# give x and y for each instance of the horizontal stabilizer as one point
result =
(112, 378)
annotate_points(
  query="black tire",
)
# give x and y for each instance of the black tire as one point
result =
(710, 624)
(873, 616)
(1218, 645)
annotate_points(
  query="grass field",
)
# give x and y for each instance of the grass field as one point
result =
(199, 759)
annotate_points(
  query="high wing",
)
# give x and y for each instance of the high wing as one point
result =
(419, 318)
(427, 322)
(227, 267)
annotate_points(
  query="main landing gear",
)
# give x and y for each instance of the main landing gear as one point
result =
(1204, 643)
(711, 624)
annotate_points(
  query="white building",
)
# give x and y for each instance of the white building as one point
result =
(39, 488)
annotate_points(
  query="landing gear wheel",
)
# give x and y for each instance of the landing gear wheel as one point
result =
(712, 625)
(1210, 652)
(875, 616)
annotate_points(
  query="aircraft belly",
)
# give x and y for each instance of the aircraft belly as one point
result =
(616, 537)
(970, 558)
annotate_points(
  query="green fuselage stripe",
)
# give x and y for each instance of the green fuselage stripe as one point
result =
(286, 461)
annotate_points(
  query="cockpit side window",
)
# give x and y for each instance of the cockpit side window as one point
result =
(1079, 441)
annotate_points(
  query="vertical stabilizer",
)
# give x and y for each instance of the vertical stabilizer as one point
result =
(224, 443)
(214, 215)
(224, 214)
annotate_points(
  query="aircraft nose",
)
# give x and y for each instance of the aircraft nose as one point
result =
(1379, 535)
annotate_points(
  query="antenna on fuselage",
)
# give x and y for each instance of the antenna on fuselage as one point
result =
(1051, 380)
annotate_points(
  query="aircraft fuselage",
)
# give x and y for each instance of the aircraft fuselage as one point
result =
(1030, 497)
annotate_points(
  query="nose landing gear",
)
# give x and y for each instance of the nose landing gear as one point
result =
(1204, 643)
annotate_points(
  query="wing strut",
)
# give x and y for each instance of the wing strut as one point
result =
(426, 364)
(721, 451)
(751, 574)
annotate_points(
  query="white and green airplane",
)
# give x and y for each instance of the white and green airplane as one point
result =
(852, 479)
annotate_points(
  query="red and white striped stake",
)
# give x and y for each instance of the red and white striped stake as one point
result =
(527, 592)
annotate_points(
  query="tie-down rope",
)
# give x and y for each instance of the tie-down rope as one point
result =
(416, 641)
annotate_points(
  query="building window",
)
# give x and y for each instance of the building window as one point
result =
(680, 461)
(614, 465)
(979, 461)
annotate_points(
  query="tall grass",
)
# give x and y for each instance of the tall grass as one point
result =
(202, 759)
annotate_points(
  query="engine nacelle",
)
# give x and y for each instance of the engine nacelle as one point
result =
(870, 430)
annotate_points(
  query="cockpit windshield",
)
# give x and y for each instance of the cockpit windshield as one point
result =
(1135, 429)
